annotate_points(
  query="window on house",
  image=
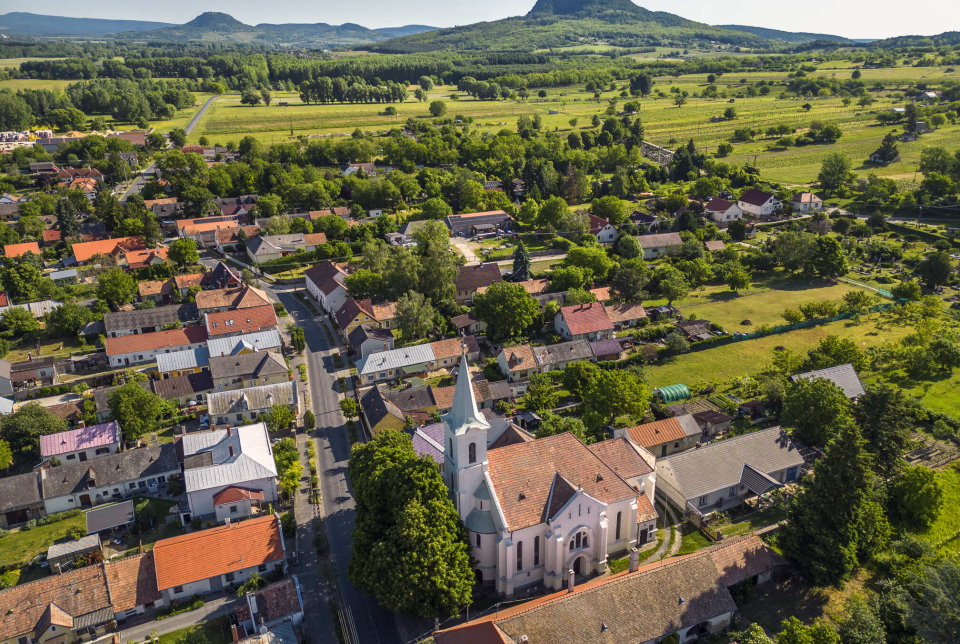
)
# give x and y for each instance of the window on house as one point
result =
(472, 453)
(586, 541)
(571, 545)
(536, 551)
(519, 556)
(162, 479)
(141, 483)
(478, 539)
(133, 486)
(703, 501)
(103, 450)
(578, 539)
(239, 416)
(733, 490)
(177, 590)
(233, 509)
(230, 576)
(619, 519)
(262, 568)
(71, 457)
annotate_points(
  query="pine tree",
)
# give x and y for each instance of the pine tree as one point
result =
(835, 516)
(521, 263)
(67, 219)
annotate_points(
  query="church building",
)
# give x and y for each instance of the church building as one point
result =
(537, 509)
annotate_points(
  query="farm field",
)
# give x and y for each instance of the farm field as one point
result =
(30, 83)
(665, 123)
(14, 63)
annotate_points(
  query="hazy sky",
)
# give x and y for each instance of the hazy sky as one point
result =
(849, 18)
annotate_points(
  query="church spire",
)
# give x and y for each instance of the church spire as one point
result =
(464, 411)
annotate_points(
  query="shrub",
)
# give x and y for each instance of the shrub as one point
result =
(3, 533)
(561, 243)
(309, 421)
(29, 525)
(196, 523)
(76, 532)
(288, 522)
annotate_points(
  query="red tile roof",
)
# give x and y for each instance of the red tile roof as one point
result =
(236, 494)
(625, 312)
(16, 250)
(249, 320)
(142, 258)
(132, 582)
(656, 433)
(520, 358)
(217, 551)
(586, 318)
(740, 559)
(85, 250)
(159, 340)
(51, 235)
(623, 457)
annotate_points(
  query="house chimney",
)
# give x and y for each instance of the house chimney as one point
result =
(570, 582)
(230, 447)
(81, 424)
(234, 633)
(634, 559)
(227, 522)
(228, 430)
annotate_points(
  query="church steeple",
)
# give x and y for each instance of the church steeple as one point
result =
(464, 413)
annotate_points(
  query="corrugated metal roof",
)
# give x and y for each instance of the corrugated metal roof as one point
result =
(86, 543)
(109, 516)
(229, 346)
(251, 457)
(252, 398)
(396, 359)
(178, 360)
(843, 376)
(720, 465)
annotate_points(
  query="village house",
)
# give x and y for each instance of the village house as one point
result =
(385, 314)
(161, 292)
(474, 277)
(478, 223)
(397, 363)
(843, 376)
(128, 350)
(684, 596)
(133, 585)
(380, 413)
(556, 357)
(265, 248)
(183, 363)
(655, 246)
(353, 314)
(243, 406)
(486, 393)
(240, 322)
(143, 321)
(584, 322)
(228, 473)
(249, 343)
(517, 363)
(248, 370)
(228, 239)
(366, 339)
(117, 248)
(209, 561)
(237, 207)
(722, 211)
(624, 315)
(517, 497)
(108, 478)
(20, 501)
(468, 323)
(722, 474)
(446, 353)
(230, 299)
(187, 389)
(67, 174)
(758, 203)
(277, 605)
(605, 232)
(804, 202)
(81, 444)
(145, 258)
(714, 245)
(325, 283)
(12, 251)
(664, 437)
(370, 169)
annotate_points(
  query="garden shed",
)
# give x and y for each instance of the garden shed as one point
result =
(673, 393)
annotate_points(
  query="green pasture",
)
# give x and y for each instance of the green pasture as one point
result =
(14, 63)
(32, 83)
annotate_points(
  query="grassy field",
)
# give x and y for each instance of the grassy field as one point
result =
(14, 63)
(28, 83)
(214, 631)
(665, 123)
(948, 523)
(23, 545)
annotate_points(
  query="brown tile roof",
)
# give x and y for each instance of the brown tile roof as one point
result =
(158, 340)
(244, 297)
(150, 203)
(718, 205)
(622, 456)
(353, 309)
(85, 250)
(625, 312)
(533, 287)
(656, 433)
(315, 239)
(452, 348)
(142, 258)
(324, 276)
(384, 311)
(586, 318)
(249, 320)
(76, 593)
(273, 602)
(755, 197)
(512, 435)
(217, 551)
(16, 250)
(51, 235)
(642, 606)
(523, 475)
(520, 358)
(132, 581)
(443, 396)
(645, 510)
(186, 281)
(67, 411)
(742, 558)
(602, 293)
(229, 235)
(714, 245)
(234, 494)
(155, 287)
(471, 278)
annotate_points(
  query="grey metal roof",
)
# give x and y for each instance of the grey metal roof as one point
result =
(187, 359)
(258, 364)
(480, 521)
(88, 542)
(252, 398)
(689, 425)
(396, 359)
(720, 465)
(109, 516)
(140, 318)
(757, 481)
(230, 346)
(65, 274)
(239, 455)
(843, 376)
(563, 352)
(109, 470)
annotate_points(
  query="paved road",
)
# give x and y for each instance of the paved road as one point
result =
(374, 624)
(217, 607)
(196, 117)
(140, 181)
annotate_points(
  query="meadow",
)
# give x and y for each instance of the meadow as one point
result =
(14, 63)
(665, 123)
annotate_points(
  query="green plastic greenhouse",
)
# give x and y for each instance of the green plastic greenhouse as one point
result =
(673, 393)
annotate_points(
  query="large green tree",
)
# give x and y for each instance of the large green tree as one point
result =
(136, 410)
(507, 309)
(886, 415)
(410, 548)
(835, 171)
(613, 393)
(415, 315)
(521, 264)
(23, 428)
(115, 286)
(183, 252)
(814, 409)
(916, 497)
(541, 394)
(936, 268)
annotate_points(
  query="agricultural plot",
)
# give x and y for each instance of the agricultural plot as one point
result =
(30, 83)
(665, 123)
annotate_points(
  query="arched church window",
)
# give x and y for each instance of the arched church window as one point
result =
(472, 453)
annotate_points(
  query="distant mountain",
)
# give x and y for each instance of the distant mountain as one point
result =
(32, 24)
(784, 36)
(221, 27)
(563, 23)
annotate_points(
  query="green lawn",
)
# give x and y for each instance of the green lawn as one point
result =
(693, 539)
(948, 523)
(23, 545)
(754, 521)
(214, 631)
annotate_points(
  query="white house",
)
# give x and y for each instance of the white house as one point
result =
(325, 283)
(722, 211)
(655, 246)
(228, 472)
(584, 322)
(603, 230)
(81, 444)
(213, 560)
(130, 350)
(806, 202)
(535, 509)
(758, 203)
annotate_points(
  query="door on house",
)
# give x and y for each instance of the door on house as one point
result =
(576, 565)
(17, 516)
(791, 473)
(643, 536)
(216, 584)
(85, 501)
(83, 456)
(663, 451)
